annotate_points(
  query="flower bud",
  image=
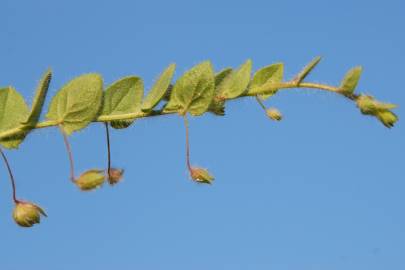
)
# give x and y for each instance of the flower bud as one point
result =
(90, 179)
(366, 104)
(388, 118)
(27, 214)
(115, 175)
(274, 114)
(369, 106)
(201, 175)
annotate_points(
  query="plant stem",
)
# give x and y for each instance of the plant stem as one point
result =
(187, 142)
(11, 176)
(266, 89)
(69, 151)
(270, 87)
(107, 132)
(261, 103)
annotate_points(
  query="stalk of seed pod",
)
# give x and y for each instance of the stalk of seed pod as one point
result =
(199, 175)
(25, 214)
(10, 173)
(69, 151)
(114, 175)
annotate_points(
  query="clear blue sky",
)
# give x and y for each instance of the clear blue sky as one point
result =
(323, 189)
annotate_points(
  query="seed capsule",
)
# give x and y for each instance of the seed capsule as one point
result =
(90, 180)
(115, 176)
(274, 114)
(27, 214)
(201, 175)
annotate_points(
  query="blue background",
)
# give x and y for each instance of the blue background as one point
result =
(322, 189)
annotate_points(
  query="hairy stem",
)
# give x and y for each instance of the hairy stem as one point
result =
(270, 87)
(261, 103)
(187, 143)
(266, 89)
(11, 176)
(107, 132)
(69, 151)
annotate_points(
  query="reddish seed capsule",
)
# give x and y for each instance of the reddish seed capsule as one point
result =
(115, 176)
(201, 175)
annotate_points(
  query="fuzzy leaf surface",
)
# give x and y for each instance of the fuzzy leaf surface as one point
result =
(217, 107)
(122, 97)
(236, 83)
(351, 80)
(307, 69)
(13, 111)
(159, 89)
(269, 74)
(194, 91)
(39, 99)
(77, 103)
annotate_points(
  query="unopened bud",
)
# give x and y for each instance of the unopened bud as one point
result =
(27, 214)
(201, 175)
(388, 118)
(90, 180)
(115, 175)
(274, 114)
(367, 104)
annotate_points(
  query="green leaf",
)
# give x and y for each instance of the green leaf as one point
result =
(217, 106)
(351, 80)
(13, 111)
(220, 76)
(307, 69)
(122, 97)
(159, 89)
(77, 103)
(236, 83)
(269, 74)
(38, 102)
(194, 91)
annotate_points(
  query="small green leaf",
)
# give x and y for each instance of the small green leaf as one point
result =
(236, 83)
(38, 102)
(194, 91)
(77, 103)
(13, 111)
(269, 74)
(122, 97)
(159, 89)
(217, 107)
(306, 70)
(220, 76)
(168, 93)
(351, 80)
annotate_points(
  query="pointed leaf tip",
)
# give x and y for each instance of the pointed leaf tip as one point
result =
(39, 99)
(267, 75)
(350, 81)
(307, 69)
(236, 83)
(159, 89)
